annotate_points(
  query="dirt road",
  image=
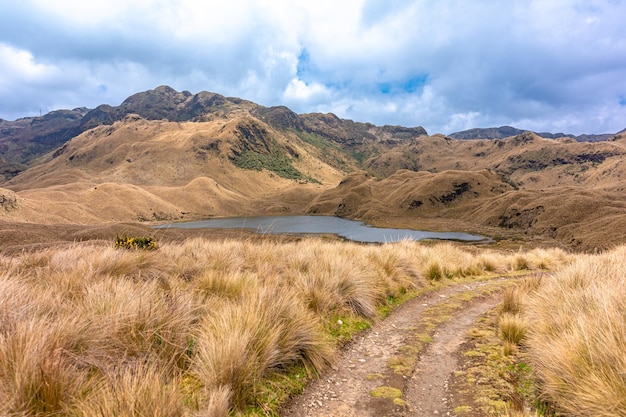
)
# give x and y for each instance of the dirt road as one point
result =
(402, 365)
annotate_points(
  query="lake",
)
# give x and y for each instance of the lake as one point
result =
(347, 229)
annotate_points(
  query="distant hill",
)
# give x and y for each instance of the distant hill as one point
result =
(508, 131)
(28, 138)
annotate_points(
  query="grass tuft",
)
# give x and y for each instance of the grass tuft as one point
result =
(512, 300)
(512, 328)
(434, 271)
(238, 347)
(135, 389)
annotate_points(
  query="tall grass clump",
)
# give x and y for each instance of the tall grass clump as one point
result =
(512, 324)
(134, 390)
(140, 321)
(236, 348)
(37, 370)
(449, 261)
(512, 328)
(397, 268)
(578, 335)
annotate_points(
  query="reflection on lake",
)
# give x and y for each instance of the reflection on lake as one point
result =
(348, 229)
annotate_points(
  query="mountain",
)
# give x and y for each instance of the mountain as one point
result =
(508, 131)
(138, 170)
(164, 155)
(527, 160)
(165, 103)
(23, 140)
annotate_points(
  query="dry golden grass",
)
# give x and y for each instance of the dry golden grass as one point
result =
(512, 328)
(577, 337)
(194, 328)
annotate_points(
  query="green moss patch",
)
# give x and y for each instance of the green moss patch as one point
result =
(386, 392)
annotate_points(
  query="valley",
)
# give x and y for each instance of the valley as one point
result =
(164, 156)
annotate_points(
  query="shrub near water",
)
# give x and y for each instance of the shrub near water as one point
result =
(142, 242)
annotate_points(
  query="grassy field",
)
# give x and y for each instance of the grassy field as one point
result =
(208, 328)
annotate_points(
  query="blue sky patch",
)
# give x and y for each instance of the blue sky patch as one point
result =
(304, 60)
(384, 88)
(410, 86)
(415, 83)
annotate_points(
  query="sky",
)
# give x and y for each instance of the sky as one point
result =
(446, 65)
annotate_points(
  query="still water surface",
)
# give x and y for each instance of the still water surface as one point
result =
(348, 229)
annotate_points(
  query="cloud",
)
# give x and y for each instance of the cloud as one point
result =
(444, 65)
(299, 91)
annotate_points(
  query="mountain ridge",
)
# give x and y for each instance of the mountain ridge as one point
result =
(225, 156)
(24, 140)
(503, 132)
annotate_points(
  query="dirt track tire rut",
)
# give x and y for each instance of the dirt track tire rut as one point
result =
(428, 391)
(363, 366)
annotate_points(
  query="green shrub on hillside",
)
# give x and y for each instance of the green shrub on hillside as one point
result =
(277, 162)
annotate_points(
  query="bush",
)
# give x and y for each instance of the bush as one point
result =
(276, 161)
(126, 242)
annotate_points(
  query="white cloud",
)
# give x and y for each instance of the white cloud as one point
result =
(20, 66)
(463, 121)
(443, 65)
(298, 90)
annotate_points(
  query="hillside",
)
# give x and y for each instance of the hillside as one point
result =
(503, 132)
(164, 155)
(526, 160)
(25, 139)
(139, 170)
